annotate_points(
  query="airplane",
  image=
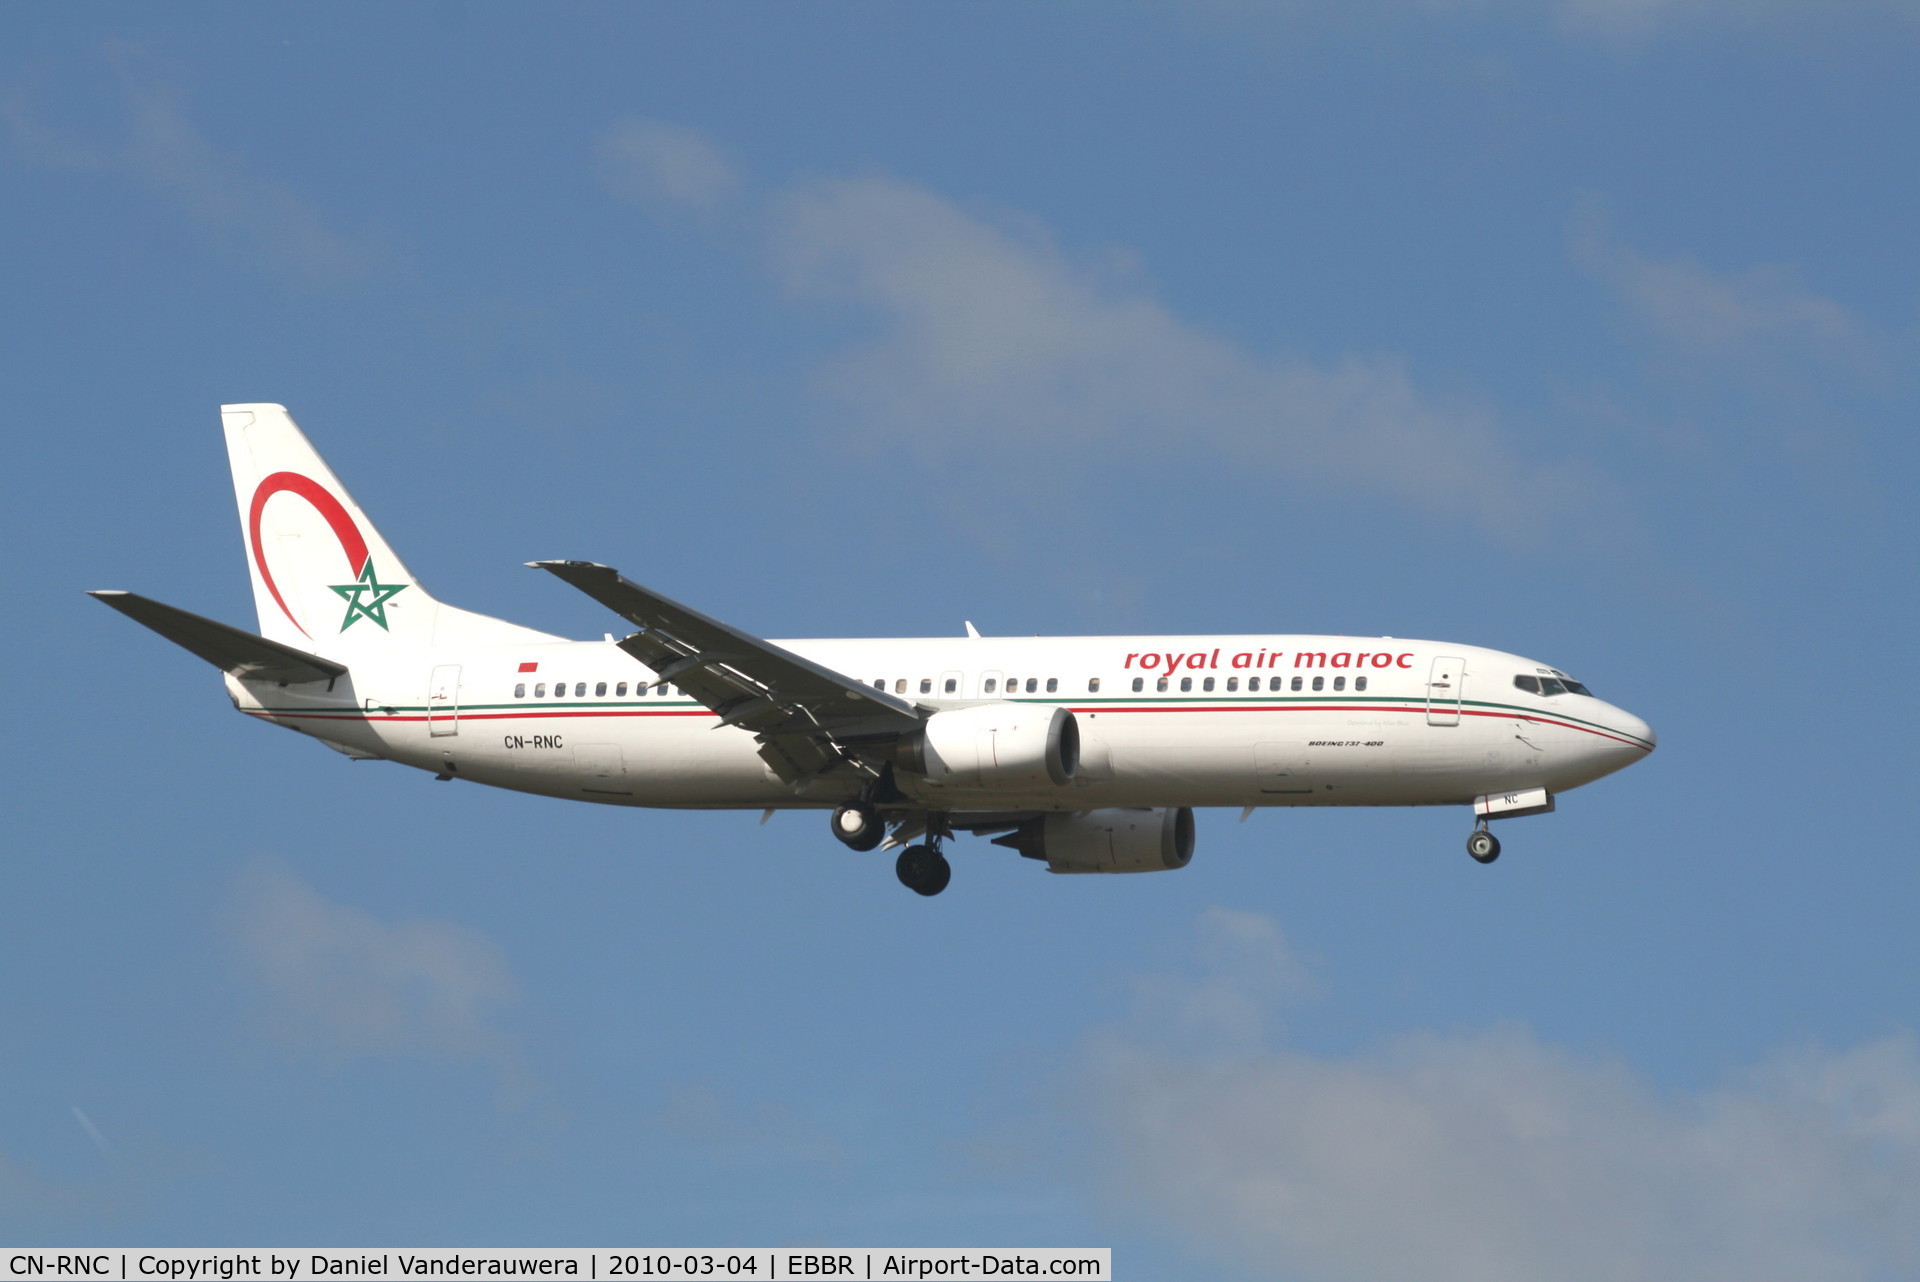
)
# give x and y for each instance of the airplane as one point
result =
(1088, 754)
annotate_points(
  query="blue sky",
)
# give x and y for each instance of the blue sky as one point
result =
(1585, 330)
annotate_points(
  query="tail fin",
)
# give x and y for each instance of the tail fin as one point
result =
(323, 578)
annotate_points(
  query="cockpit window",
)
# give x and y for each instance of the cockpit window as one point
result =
(1558, 683)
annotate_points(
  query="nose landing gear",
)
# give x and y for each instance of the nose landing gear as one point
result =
(1483, 845)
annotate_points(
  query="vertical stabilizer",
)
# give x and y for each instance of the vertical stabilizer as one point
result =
(323, 578)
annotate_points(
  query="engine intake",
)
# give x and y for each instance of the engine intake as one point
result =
(1007, 747)
(1107, 840)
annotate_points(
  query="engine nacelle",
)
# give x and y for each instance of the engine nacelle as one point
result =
(995, 746)
(1107, 840)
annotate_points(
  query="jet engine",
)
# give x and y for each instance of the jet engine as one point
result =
(995, 746)
(1107, 840)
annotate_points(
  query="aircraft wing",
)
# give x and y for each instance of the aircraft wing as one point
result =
(227, 648)
(806, 717)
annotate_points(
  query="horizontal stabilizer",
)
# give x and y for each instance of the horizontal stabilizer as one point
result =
(227, 648)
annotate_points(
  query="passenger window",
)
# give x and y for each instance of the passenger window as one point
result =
(880, 683)
(1233, 683)
(1013, 685)
(1139, 684)
(1053, 685)
(1186, 684)
(579, 689)
(1093, 686)
(1359, 683)
(1207, 684)
(1530, 684)
(520, 691)
(900, 685)
(600, 690)
(926, 685)
(1296, 683)
(620, 691)
(540, 691)
(1339, 683)
(953, 683)
(989, 687)
(1161, 685)
(1253, 683)
(1319, 683)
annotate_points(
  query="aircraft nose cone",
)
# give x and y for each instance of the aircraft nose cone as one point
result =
(1633, 727)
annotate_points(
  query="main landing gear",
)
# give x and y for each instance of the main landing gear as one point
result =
(923, 870)
(859, 827)
(1483, 845)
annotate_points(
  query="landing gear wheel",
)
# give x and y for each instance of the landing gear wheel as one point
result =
(859, 827)
(923, 870)
(1483, 846)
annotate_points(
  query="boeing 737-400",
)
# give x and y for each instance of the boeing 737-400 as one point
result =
(1086, 753)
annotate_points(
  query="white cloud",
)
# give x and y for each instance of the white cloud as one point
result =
(1493, 1156)
(34, 1202)
(1249, 973)
(993, 345)
(1644, 18)
(341, 984)
(1760, 316)
(664, 164)
(215, 189)
(1613, 20)
(697, 1113)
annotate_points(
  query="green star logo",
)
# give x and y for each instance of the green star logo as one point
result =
(367, 598)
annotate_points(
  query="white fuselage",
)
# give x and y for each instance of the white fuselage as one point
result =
(1164, 721)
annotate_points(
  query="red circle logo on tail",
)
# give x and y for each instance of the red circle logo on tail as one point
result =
(352, 542)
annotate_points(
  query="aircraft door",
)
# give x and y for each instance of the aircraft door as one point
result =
(443, 700)
(1444, 683)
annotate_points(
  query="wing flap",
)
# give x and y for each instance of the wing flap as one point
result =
(228, 648)
(802, 713)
